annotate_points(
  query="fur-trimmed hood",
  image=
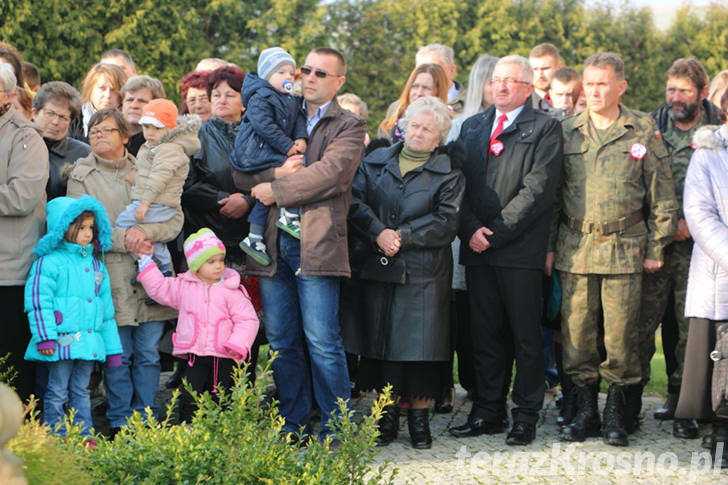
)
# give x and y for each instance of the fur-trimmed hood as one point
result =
(185, 134)
(62, 211)
(711, 137)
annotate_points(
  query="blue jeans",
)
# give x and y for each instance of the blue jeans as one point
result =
(302, 313)
(68, 382)
(133, 385)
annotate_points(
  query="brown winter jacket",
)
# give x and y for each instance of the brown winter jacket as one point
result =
(322, 189)
(23, 177)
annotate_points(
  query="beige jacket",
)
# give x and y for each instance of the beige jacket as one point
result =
(23, 177)
(104, 180)
(161, 171)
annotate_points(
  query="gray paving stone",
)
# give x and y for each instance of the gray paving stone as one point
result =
(653, 457)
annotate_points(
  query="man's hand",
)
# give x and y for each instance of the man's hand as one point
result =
(549, 266)
(682, 231)
(652, 265)
(234, 206)
(389, 241)
(135, 241)
(478, 241)
(47, 352)
(141, 211)
(264, 193)
(292, 165)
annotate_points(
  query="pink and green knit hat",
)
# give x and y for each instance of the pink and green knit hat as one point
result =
(201, 246)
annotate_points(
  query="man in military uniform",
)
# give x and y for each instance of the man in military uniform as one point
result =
(685, 110)
(615, 213)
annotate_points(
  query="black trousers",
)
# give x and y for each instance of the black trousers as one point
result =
(16, 336)
(505, 318)
(205, 374)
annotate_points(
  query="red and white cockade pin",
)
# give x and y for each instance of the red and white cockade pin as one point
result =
(638, 151)
(496, 147)
(693, 145)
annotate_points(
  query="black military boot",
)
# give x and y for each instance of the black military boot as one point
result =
(569, 406)
(667, 411)
(418, 422)
(633, 400)
(586, 423)
(614, 431)
(388, 425)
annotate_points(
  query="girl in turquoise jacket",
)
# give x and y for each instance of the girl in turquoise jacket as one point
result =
(69, 306)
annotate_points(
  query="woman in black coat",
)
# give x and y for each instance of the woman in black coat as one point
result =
(405, 205)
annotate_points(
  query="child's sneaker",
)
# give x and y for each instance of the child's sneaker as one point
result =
(291, 225)
(255, 248)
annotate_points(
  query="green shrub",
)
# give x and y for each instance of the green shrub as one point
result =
(48, 459)
(7, 371)
(232, 439)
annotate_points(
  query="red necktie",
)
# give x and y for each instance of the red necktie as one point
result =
(498, 129)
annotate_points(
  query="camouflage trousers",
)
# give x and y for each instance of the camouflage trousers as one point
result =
(583, 297)
(656, 288)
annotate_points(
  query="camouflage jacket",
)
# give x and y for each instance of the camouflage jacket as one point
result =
(603, 181)
(679, 143)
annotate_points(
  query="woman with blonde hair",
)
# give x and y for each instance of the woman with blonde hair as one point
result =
(101, 89)
(425, 80)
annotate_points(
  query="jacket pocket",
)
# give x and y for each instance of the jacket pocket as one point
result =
(187, 325)
(223, 330)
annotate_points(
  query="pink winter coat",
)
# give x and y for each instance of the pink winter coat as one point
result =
(213, 319)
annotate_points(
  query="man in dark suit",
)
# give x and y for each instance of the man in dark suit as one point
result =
(512, 165)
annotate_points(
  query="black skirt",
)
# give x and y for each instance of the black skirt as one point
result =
(408, 379)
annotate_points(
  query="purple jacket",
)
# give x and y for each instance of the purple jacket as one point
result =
(705, 204)
(213, 319)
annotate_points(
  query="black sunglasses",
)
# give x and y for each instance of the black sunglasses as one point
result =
(318, 72)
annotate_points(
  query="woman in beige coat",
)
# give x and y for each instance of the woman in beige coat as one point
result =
(103, 175)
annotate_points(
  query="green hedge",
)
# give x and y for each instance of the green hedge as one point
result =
(232, 440)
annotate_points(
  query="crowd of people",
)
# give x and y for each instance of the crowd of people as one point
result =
(529, 218)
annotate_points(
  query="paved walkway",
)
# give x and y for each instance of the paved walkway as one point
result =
(654, 455)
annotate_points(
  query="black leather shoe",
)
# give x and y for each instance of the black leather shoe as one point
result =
(443, 404)
(685, 428)
(667, 411)
(175, 379)
(521, 434)
(707, 441)
(418, 422)
(388, 425)
(477, 427)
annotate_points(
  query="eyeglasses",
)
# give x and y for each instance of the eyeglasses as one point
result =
(305, 70)
(508, 81)
(52, 114)
(99, 131)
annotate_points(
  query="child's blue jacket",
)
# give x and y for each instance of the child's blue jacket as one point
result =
(68, 295)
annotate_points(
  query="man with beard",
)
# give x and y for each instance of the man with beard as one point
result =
(685, 110)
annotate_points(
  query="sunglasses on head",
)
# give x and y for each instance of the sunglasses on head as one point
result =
(305, 70)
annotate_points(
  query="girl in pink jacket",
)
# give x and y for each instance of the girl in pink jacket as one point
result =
(217, 323)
